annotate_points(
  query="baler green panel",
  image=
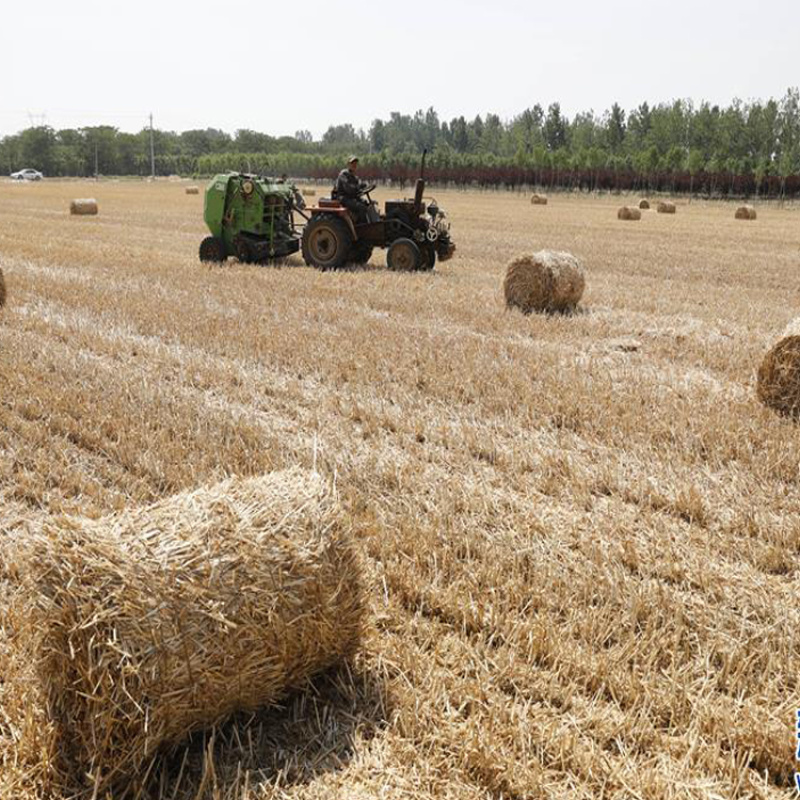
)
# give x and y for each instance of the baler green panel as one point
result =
(214, 203)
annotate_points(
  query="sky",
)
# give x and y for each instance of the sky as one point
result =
(280, 67)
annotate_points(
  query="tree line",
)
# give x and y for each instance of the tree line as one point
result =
(743, 148)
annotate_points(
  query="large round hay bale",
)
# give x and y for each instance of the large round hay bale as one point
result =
(629, 213)
(192, 190)
(538, 200)
(2, 289)
(544, 281)
(160, 621)
(666, 207)
(644, 205)
(778, 379)
(84, 207)
(310, 192)
(746, 212)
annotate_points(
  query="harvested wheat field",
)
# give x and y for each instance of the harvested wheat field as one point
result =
(580, 534)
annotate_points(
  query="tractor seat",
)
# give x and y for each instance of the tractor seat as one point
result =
(327, 202)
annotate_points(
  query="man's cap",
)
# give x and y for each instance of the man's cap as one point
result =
(352, 159)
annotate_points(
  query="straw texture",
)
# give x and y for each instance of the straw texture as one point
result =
(192, 190)
(2, 289)
(666, 207)
(538, 200)
(544, 281)
(644, 205)
(629, 213)
(746, 212)
(87, 206)
(155, 623)
(778, 379)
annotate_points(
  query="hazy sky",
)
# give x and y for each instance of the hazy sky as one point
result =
(279, 67)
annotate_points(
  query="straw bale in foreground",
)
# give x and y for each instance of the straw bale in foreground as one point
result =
(87, 206)
(629, 213)
(157, 622)
(746, 212)
(544, 281)
(666, 207)
(778, 379)
(192, 190)
(538, 200)
(644, 205)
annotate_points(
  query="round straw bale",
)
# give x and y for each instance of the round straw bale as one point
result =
(544, 281)
(644, 205)
(2, 289)
(746, 212)
(778, 379)
(538, 200)
(627, 212)
(310, 192)
(86, 206)
(666, 207)
(160, 621)
(192, 190)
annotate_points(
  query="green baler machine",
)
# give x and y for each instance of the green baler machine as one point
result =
(249, 217)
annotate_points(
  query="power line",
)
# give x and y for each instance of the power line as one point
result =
(152, 150)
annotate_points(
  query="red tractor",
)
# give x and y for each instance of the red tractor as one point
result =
(414, 232)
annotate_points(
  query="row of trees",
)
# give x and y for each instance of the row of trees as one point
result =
(742, 148)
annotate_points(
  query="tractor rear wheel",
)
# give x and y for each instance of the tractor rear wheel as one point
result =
(327, 242)
(212, 249)
(403, 256)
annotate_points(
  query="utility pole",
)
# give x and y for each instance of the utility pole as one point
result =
(152, 150)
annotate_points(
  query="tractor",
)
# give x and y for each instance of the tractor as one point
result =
(249, 217)
(414, 233)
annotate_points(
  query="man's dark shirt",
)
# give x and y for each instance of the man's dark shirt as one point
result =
(347, 185)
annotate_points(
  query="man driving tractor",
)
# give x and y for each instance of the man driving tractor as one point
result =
(348, 190)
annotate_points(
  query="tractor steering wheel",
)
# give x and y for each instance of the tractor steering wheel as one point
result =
(366, 190)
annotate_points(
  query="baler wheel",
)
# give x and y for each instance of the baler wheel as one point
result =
(212, 248)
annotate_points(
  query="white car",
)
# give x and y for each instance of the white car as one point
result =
(27, 175)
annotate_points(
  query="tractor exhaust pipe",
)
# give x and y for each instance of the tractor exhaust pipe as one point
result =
(419, 190)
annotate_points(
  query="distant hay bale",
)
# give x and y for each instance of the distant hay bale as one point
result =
(778, 379)
(644, 205)
(192, 190)
(746, 212)
(538, 200)
(544, 281)
(629, 213)
(666, 207)
(83, 207)
(160, 621)
(2, 289)
(310, 192)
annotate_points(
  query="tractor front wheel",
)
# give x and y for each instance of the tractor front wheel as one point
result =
(428, 252)
(404, 256)
(327, 242)
(212, 249)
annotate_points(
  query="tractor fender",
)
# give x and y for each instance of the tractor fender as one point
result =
(342, 213)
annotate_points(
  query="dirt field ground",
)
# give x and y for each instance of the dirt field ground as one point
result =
(581, 533)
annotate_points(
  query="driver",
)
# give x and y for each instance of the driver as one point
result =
(348, 190)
